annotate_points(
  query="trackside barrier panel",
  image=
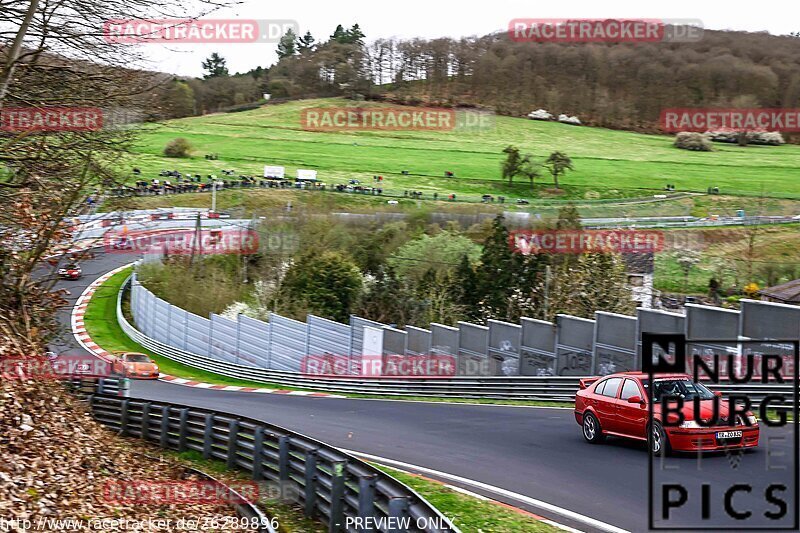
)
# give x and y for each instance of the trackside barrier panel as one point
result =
(473, 351)
(614, 343)
(254, 342)
(394, 341)
(326, 337)
(706, 322)
(767, 320)
(574, 346)
(538, 348)
(224, 339)
(197, 334)
(177, 327)
(504, 345)
(419, 341)
(656, 321)
(160, 320)
(444, 341)
(288, 342)
(328, 484)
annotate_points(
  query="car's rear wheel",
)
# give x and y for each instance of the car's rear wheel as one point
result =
(591, 429)
(658, 440)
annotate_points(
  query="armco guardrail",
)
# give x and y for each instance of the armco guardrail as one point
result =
(330, 485)
(107, 386)
(540, 388)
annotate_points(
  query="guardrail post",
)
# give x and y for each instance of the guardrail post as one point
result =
(337, 497)
(366, 496)
(184, 418)
(311, 483)
(258, 453)
(145, 421)
(163, 439)
(124, 387)
(101, 386)
(208, 436)
(283, 458)
(233, 442)
(124, 416)
(398, 508)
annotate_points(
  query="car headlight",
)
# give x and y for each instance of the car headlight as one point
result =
(690, 424)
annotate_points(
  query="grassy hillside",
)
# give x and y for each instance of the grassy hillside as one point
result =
(608, 163)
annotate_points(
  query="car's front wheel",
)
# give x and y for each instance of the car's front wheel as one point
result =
(591, 429)
(658, 440)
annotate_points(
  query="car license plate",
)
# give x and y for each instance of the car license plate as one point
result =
(729, 434)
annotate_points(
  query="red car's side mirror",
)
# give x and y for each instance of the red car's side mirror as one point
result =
(635, 399)
(718, 394)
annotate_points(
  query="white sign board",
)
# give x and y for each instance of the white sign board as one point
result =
(310, 175)
(373, 342)
(274, 172)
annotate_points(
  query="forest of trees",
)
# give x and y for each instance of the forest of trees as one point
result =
(406, 273)
(612, 85)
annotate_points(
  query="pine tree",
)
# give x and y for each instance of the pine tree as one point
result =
(305, 43)
(465, 284)
(495, 273)
(286, 46)
(355, 35)
(215, 67)
(339, 35)
(528, 286)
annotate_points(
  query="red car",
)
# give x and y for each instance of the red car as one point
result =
(617, 405)
(71, 271)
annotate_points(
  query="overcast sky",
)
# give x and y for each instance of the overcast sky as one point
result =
(429, 18)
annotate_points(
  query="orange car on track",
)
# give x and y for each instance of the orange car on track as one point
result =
(134, 365)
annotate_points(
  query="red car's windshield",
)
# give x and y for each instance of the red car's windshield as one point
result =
(678, 387)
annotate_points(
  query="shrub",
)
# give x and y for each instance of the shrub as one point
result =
(179, 147)
(692, 141)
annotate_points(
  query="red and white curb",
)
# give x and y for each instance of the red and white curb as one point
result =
(83, 338)
(79, 310)
(201, 385)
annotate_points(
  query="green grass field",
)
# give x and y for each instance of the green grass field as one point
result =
(608, 163)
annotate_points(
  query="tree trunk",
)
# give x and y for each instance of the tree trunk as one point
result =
(16, 47)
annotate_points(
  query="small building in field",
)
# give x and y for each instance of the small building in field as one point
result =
(785, 293)
(640, 268)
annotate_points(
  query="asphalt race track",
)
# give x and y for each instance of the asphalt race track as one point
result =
(538, 453)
